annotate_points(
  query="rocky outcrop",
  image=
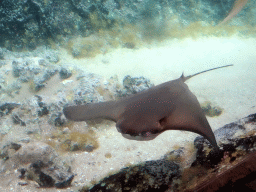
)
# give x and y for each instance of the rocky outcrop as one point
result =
(27, 24)
(36, 161)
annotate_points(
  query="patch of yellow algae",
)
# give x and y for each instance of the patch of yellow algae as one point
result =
(211, 110)
(73, 140)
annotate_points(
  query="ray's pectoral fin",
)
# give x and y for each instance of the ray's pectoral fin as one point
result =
(183, 119)
(108, 110)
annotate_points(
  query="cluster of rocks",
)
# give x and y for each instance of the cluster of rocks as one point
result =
(41, 114)
(36, 161)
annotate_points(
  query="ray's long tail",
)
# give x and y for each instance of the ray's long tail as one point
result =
(188, 77)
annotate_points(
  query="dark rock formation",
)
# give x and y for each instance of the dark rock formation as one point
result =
(148, 176)
(48, 175)
(37, 161)
(6, 108)
(65, 73)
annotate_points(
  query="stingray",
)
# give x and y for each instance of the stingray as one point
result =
(143, 116)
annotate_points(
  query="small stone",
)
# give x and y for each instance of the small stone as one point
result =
(89, 148)
(17, 120)
(6, 108)
(74, 146)
(65, 183)
(65, 73)
(22, 173)
(42, 62)
(66, 130)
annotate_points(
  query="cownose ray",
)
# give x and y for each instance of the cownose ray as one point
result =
(143, 116)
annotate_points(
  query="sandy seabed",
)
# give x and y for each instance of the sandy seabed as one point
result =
(233, 89)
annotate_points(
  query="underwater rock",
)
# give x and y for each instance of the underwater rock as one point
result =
(90, 147)
(28, 24)
(49, 73)
(6, 108)
(47, 175)
(52, 56)
(133, 85)
(37, 85)
(39, 81)
(155, 175)
(29, 70)
(175, 155)
(92, 89)
(24, 69)
(6, 149)
(33, 152)
(39, 162)
(57, 119)
(17, 120)
(44, 110)
(25, 153)
(65, 73)
(76, 146)
(85, 91)
(17, 68)
(42, 62)
(43, 107)
(64, 183)
(11, 89)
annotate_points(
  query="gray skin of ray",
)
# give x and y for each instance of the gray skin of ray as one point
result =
(143, 116)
